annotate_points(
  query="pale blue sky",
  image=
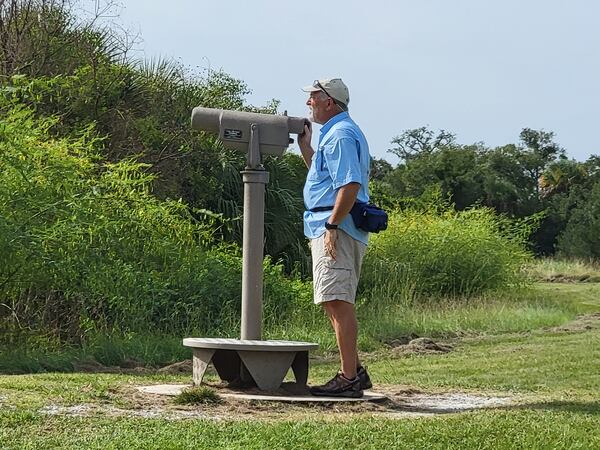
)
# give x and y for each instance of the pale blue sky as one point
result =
(481, 69)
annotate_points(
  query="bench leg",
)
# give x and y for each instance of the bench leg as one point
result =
(267, 368)
(200, 361)
(300, 368)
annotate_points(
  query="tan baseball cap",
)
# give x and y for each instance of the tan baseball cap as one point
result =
(334, 88)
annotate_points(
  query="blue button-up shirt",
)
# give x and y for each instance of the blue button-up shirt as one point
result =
(342, 157)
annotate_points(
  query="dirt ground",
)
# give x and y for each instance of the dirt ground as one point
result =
(401, 401)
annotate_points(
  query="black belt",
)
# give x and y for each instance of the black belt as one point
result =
(321, 208)
(329, 208)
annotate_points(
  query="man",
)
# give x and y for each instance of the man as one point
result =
(338, 176)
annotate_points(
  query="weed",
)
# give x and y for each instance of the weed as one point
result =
(197, 395)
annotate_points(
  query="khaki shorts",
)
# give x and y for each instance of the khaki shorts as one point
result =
(336, 279)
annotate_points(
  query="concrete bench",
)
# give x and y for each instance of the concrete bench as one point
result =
(267, 362)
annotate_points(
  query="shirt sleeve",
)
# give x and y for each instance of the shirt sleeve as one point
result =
(342, 162)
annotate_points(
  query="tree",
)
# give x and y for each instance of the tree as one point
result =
(379, 169)
(540, 150)
(560, 175)
(572, 199)
(507, 187)
(419, 142)
(46, 38)
(581, 237)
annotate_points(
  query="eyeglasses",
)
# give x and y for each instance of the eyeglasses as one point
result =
(318, 85)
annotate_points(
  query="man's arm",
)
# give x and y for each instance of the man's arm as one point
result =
(304, 144)
(344, 200)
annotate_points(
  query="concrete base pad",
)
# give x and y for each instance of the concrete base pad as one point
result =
(175, 389)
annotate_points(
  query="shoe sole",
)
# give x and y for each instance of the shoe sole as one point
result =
(344, 394)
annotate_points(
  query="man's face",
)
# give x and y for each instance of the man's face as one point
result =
(319, 105)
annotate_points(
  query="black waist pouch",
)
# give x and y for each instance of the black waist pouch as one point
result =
(369, 217)
(366, 216)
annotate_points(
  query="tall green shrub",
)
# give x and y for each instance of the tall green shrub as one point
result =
(85, 246)
(444, 253)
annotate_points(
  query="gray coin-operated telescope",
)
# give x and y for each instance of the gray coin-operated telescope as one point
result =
(256, 134)
(253, 133)
(266, 362)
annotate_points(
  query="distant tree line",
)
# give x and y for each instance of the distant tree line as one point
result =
(532, 179)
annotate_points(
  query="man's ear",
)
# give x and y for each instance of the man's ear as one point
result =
(334, 105)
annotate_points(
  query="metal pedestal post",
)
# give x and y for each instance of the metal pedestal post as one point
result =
(253, 247)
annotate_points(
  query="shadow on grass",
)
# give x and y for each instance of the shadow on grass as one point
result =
(578, 407)
(581, 407)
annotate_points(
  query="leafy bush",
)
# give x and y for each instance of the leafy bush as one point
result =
(85, 246)
(444, 253)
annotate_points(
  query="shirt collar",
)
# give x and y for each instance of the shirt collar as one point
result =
(331, 122)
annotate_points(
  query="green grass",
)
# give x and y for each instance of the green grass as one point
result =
(555, 373)
(560, 407)
(563, 364)
(540, 363)
(36, 390)
(583, 297)
(546, 427)
(517, 310)
(108, 350)
(552, 372)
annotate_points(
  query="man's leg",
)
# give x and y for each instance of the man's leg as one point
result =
(343, 319)
(358, 363)
(334, 289)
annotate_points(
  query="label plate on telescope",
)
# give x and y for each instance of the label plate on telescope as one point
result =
(229, 133)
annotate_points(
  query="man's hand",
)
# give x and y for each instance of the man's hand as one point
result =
(304, 140)
(330, 241)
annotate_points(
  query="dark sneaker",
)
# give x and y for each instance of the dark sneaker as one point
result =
(339, 386)
(363, 376)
